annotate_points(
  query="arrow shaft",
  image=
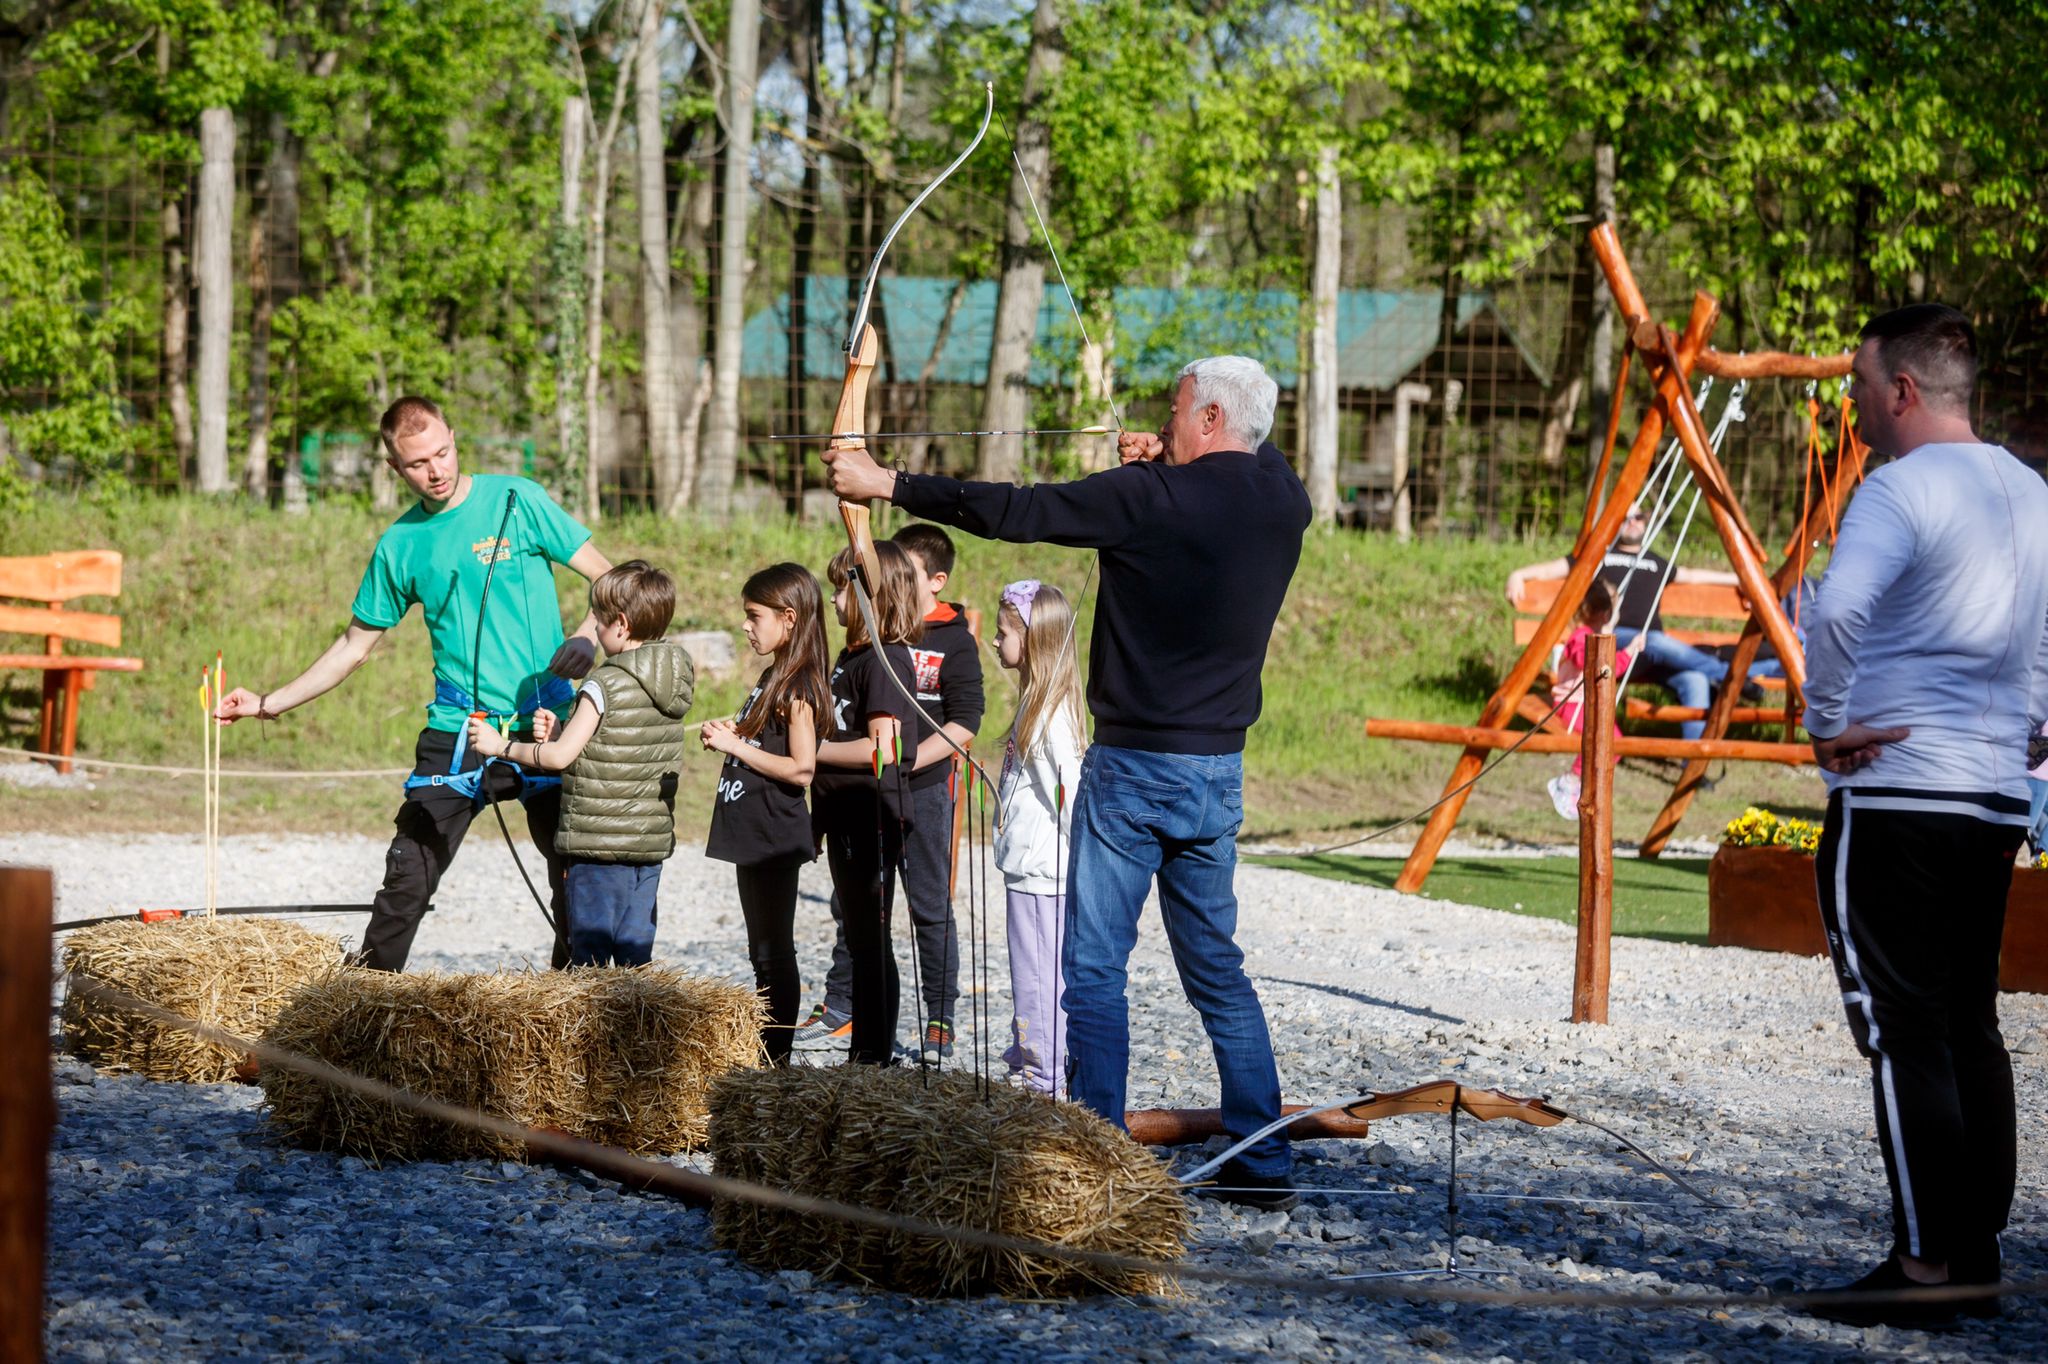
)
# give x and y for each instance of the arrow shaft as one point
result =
(900, 435)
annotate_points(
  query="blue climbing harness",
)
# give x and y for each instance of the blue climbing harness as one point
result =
(552, 694)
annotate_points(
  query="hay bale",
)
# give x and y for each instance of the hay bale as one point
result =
(624, 1056)
(940, 1149)
(234, 973)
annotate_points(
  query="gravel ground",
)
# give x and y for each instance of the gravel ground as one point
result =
(179, 1232)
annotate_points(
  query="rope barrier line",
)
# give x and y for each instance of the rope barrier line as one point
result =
(260, 773)
(698, 1188)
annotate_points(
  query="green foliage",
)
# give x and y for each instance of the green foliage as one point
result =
(57, 395)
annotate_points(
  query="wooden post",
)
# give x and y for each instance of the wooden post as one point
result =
(28, 1109)
(213, 267)
(1596, 833)
(1635, 470)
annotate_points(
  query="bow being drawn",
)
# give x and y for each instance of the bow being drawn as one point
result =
(850, 419)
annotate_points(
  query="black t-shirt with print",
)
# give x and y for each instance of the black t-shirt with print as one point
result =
(843, 798)
(757, 821)
(948, 680)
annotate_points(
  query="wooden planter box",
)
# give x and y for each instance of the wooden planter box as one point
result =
(1764, 898)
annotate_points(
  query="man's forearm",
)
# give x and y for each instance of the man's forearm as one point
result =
(327, 672)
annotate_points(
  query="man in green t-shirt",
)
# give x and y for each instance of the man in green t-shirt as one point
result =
(502, 653)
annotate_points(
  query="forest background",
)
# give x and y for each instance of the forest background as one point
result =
(616, 240)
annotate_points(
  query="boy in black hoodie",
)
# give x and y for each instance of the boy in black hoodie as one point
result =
(949, 689)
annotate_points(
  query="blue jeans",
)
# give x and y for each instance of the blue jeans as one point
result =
(2037, 815)
(611, 912)
(1139, 815)
(1691, 673)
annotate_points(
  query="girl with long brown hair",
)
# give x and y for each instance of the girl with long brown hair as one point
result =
(1041, 765)
(758, 819)
(861, 799)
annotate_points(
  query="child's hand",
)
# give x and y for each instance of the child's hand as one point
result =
(485, 739)
(544, 726)
(720, 736)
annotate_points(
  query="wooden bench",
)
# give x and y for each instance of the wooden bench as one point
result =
(1718, 604)
(50, 580)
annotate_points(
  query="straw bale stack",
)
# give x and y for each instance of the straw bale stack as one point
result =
(944, 1150)
(235, 974)
(624, 1056)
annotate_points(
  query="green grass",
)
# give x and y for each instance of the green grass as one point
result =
(1370, 627)
(1664, 899)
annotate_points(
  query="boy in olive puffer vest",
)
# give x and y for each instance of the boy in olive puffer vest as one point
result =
(620, 755)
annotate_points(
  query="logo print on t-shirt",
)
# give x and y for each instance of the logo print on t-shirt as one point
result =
(491, 549)
(924, 664)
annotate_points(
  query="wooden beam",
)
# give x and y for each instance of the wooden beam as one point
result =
(28, 1108)
(1179, 1126)
(1473, 737)
(91, 627)
(1596, 835)
(1770, 364)
(60, 577)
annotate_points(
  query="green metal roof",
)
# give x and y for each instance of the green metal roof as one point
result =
(1382, 335)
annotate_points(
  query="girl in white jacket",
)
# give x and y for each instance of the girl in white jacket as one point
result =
(1041, 764)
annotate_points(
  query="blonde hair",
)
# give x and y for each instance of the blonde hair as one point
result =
(638, 591)
(1050, 681)
(895, 596)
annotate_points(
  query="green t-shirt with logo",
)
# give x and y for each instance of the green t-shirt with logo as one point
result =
(439, 560)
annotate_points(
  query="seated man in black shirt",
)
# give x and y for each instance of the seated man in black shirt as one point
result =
(1691, 673)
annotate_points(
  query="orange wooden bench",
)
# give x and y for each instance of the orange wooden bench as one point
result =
(1713, 603)
(50, 580)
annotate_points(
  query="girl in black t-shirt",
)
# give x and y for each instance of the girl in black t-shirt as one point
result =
(861, 798)
(758, 819)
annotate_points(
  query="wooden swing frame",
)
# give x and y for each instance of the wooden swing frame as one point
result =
(1672, 362)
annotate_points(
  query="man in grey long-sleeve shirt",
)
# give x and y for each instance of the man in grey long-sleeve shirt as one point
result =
(1927, 651)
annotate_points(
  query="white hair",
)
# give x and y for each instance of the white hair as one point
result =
(1241, 390)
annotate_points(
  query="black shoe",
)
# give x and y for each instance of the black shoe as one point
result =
(1752, 693)
(1977, 1269)
(1886, 1278)
(1268, 1193)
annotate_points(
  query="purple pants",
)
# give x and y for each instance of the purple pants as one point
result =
(1038, 1025)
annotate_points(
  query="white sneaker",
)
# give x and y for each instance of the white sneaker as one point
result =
(1564, 795)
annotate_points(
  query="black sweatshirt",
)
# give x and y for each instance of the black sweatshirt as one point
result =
(948, 680)
(1196, 559)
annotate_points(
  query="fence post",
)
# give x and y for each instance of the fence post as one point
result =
(1596, 832)
(27, 1106)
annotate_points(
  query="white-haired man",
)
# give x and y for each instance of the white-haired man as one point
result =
(1199, 532)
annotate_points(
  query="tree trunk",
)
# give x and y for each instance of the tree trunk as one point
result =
(1320, 389)
(1006, 399)
(273, 282)
(593, 318)
(693, 231)
(806, 43)
(1568, 374)
(1600, 341)
(658, 363)
(213, 264)
(177, 304)
(1098, 381)
(721, 453)
(567, 268)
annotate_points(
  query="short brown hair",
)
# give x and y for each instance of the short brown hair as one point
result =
(407, 417)
(932, 546)
(1932, 342)
(643, 594)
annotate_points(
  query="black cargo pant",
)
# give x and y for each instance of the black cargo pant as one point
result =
(430, 827)
(927, 889)
(1912, 895)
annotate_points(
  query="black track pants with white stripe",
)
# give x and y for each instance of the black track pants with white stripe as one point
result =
(1912, 895)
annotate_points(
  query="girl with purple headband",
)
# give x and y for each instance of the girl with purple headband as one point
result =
(1041, 765)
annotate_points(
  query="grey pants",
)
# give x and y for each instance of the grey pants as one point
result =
(927, 869)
